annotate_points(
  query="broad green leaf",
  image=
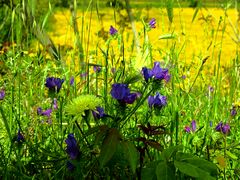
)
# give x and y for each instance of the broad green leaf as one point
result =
(131, 154)
(164, 172)
(193, 170)
(149, 172)
(109, 146)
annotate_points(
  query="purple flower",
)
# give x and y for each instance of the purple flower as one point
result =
(121, 92)
(112, 31)
(156, 72)
(97, 69)
(54, 84)
(71, 80)
(39, 111)
(147, 73)
(187, 129)
(2, 94)
(152, 23)
(72, 147)
(194, 126)
(84, 74)
(55, 105)
(99, 113)
(233, 111)
(219, 127)
(160, 73)
(157, 101)
(224, 128)
(44, 113)
(19, 136)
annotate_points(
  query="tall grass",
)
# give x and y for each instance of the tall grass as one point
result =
(130, 140)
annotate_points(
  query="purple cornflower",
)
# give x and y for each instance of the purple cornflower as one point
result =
(72, 147)
(152, 23)
(55, 105)
(54, 84)
(112, 31)
(224, 128)
(187, 129)
(157, 101)
(194, 126)
(233, 111)
(71, 80)
(99, 113)
(156, 72)
(121, 92)
(19, 136)
(97, 69)
(2, 94)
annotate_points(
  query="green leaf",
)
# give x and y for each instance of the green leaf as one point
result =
(168, 153)
(231, 155)
(195, 14)
(167, 36)
(192, 170)
(164, 172)
(131, 154)
(149, 172)
(203, 164)
(169, 6)
(109, 146)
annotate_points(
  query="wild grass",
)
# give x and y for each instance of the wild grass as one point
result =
(75, 139)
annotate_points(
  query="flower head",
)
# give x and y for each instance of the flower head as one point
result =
(187, 129)
(147, 73)
(99, 113)
(72, 147)
(82, 103)
(121, 92)
(160, 73)
(112, 31)
(233, 111)
(71, 80)
(20, 137)
(224, 128)
(54, 84)
(47, 112)
(152, 23)
(2, 94)
(194, 126)
(97, 69)
(156, 72)
(157, 101)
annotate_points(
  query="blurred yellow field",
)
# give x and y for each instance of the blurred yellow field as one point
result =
(213, 31)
